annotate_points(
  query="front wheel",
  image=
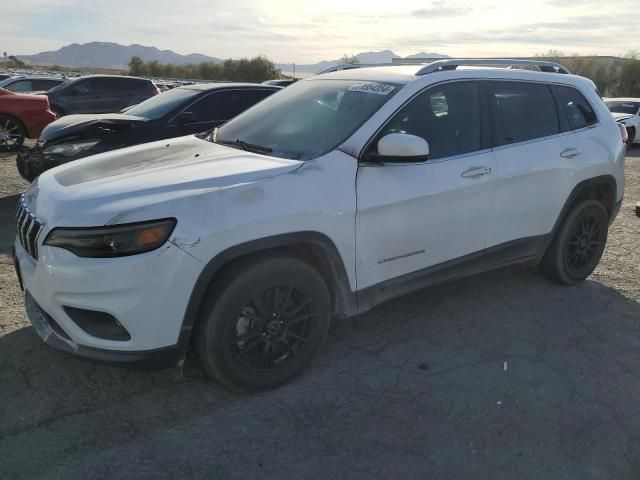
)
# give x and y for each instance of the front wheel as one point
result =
(631, 133)
(263, 323)
(578, 245)
(12, 134)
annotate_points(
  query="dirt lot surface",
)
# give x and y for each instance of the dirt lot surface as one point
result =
(500, 376)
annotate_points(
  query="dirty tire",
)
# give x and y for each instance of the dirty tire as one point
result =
(263, 323)
(578, 245)
(12, 134)
(631, 133)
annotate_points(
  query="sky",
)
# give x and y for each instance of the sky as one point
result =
(309, 31)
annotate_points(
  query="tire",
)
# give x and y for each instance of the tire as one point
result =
(12, 134)
(578, 245)
(263, 324)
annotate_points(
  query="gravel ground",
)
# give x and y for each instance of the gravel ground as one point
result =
(500, 376)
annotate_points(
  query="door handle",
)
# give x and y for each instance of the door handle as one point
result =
(570, 153)
(475, 172)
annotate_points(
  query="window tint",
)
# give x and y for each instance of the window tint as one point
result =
(447, 117)
(131, 86)
(576, 108)
(523, 111)
(20, 86)
(44, 84)
(225, 105)
(83, 87)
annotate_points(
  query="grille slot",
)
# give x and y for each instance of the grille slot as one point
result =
(29, 228)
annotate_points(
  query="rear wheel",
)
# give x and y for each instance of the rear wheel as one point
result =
(578, 245)
(12, 133)
(631, 132)
(264, 324)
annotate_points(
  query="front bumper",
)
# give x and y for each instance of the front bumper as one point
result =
(32, 162)
(52, 335)
(146, 293)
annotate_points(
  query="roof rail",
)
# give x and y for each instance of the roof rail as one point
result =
(352, 66)
(453, 63)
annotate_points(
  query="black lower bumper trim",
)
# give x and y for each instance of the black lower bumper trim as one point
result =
(155, 359)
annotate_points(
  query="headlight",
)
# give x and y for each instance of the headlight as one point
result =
(112, 241)
(70, 149)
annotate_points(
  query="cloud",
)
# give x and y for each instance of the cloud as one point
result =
(441, 9)
(306, 32)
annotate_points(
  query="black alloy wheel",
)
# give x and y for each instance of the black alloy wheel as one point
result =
(272, 329)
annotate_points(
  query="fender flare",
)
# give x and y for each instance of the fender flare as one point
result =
(345, 301)
(578, 190)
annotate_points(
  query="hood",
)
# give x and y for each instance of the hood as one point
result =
(90, 124)
(621, 116)
(137, 177)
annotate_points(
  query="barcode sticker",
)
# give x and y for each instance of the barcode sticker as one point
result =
(375, 88)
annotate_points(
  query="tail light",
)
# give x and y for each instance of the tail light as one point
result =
(623, 132)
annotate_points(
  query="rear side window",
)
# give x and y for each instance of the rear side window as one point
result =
(448, 117)
(44, 84)
(137, 87)
(575, 107)
(523, 111)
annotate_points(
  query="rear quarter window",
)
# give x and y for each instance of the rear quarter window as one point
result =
(575, 108)
(523, 111)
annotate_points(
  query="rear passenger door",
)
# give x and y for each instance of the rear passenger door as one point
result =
(535, 157)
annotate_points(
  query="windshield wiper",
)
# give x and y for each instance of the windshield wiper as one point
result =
(249, 147)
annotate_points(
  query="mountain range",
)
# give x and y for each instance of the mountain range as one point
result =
(114, 55)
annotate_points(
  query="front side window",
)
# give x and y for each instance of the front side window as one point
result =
(309, 118)
(523, 111)
(448, 117)
(575, 107)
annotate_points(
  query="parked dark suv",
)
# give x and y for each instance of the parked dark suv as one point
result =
(99, 94)
(178, 112)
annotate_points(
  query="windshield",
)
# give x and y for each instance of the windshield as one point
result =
(309, 118)
(158, 106)
(630, 108)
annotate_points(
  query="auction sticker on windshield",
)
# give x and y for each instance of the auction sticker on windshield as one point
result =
(376, 88)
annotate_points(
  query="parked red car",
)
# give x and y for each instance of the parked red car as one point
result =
(22, 116)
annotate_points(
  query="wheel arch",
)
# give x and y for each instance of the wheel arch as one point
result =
(603, 188)
(312, 247)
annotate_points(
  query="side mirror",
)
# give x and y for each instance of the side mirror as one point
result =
(185, 117)
(401, 148)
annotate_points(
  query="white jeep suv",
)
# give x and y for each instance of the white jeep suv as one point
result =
(334, 195)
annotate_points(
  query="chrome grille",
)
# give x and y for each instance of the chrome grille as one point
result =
(29, 228)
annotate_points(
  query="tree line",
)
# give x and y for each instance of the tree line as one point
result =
(257, 69)
(614, 76)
